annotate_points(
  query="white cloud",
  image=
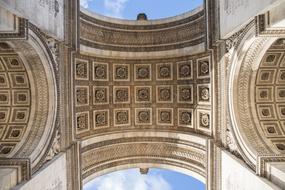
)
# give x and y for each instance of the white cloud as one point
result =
(114, 8)
(129, 180)
(84, 3)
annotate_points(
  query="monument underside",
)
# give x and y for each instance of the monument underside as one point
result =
(98, 94)
(144, 98)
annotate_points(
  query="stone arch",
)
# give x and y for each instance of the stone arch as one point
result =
(110, 37)
(183, 153)
(248, 128)
(36, 60)
(142, 94)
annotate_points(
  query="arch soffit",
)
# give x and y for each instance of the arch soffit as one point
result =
(245, 60)
(108, 37)
(182, 170)
(185, 153)
(34, 142)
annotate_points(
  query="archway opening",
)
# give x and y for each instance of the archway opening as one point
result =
(144, 179)
(130, 9)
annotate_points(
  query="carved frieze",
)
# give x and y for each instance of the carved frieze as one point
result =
(173, 35)
(96, 159)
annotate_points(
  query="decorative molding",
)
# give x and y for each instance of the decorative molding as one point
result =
(247, 125)
(20, 33)
(235, 39)
(101, 34)
(263, 160)
(105, 155)
(263, 28)
(23, 167)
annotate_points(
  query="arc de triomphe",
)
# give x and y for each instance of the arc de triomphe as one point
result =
(202, 93)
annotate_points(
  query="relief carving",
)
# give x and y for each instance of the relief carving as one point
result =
(101, 118)
(186, 118)
(142, 72)
(55, 147)
(203, 68)
(165, 116)
(234, 40)
(82, 121)
(184, 70)
(81, 69)
(100, 71)
(143, 116)
(204, 120)
(121, 72)
(82, 96)
(121, 94)
(185, 94)
(101, 95)
(230, 143)
(164, 71)
(164, 93)
(143, 94)
(122, 117)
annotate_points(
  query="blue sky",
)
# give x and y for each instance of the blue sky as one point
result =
(156, 179)
(128, 9)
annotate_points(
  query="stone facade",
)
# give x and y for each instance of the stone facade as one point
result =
(201, 93)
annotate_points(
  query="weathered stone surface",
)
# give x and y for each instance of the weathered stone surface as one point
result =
(201, 93)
